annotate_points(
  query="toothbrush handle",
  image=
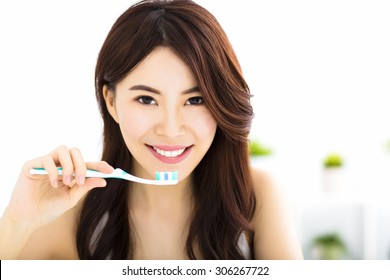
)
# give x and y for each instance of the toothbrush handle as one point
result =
(89, 173)
(118, 173)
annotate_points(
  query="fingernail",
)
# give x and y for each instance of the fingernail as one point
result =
(54, 183)
(80, 180)
(68, 180)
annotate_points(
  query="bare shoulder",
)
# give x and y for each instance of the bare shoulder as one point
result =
(56, 240)
(262, 181)
(266, 189)
(273, 223)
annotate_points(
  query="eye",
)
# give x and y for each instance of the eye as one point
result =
(147, 100)
(196, 100)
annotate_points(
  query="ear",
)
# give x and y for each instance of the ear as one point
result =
(109, 97)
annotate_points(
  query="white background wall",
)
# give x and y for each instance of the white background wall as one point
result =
(319, 72)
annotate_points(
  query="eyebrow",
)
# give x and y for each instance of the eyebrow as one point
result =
(156, 91)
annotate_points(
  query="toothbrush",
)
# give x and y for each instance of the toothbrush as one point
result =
(162, 178)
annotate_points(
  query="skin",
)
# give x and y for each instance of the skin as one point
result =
(176, 115)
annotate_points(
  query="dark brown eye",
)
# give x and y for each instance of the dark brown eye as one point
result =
(196, 100)
(147, 100)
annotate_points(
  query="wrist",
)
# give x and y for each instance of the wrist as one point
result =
(17, 221)
(14, 235)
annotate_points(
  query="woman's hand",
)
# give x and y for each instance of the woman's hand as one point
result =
(39, 199)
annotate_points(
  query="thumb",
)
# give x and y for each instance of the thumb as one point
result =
(77, 192)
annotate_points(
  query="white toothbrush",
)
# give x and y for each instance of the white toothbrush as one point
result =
(162, 178)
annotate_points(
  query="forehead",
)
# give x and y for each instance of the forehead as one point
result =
(160, 67)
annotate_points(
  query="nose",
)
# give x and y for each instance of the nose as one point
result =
(171, 123)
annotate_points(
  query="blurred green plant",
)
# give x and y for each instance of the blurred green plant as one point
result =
(388, 146)
(256, 148)
(333, 161)
(330, 246)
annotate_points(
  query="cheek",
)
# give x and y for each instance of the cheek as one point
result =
(204, 126)
(133, 124)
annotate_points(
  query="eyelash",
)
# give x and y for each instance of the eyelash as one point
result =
(148, 100)
(199, 99)
(141, 99)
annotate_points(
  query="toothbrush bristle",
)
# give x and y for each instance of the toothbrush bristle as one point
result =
(166, 176)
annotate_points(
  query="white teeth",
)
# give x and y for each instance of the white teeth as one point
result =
(170, 154)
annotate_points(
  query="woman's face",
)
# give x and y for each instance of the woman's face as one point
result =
(162, 115)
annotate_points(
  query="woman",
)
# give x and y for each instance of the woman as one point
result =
(172, 97)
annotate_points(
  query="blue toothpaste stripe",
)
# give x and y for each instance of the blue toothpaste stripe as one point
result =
(166, 176)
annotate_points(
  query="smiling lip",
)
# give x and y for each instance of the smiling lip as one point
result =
(170, 154)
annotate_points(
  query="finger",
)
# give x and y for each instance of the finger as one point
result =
(62, 156)
(51, 168)
(79, 165)
(77, 192)
(45, 162)
(101, 166)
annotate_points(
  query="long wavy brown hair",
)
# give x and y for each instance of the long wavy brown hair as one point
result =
(223, 193)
